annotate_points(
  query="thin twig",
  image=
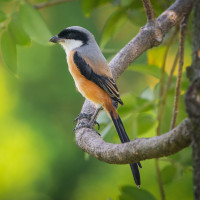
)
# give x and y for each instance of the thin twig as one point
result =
(162, 78)
(165, 93)
(161, 108)
(149, 10)
(160, 183)
(183, 27)
(50, 3)
(170, 76)
(160, 115)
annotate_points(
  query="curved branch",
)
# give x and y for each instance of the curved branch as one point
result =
(138, 149)
(87, 139)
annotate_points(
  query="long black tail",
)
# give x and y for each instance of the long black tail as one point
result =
(124, 138)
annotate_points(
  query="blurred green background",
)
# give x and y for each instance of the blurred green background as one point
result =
(39, 159)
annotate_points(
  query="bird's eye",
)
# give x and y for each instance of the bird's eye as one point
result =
(70, 36)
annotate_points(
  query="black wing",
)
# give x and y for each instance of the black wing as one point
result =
(105, 83)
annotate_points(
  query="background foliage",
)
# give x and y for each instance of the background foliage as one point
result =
(38, 102)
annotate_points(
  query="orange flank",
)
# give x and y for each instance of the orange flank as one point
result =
(89, 89)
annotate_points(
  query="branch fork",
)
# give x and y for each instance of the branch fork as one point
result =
(152, 26)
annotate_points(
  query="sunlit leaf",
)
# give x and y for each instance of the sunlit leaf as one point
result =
(155, 56)
(135, 104)
(133, 193)
(2, 16)
(168, 174)
(34, 24)
(113, 25)
(18, 32)
(8, 50)
(146, 69)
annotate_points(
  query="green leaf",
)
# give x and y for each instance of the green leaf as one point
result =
(168, 173)
(34, 24)
(133, 193)
(2, 16)
(145, 121)
(8, 50)
(135, 104)
(146, 69)
(113, 25)
(88, 5)
(18, 32)
(155, 56)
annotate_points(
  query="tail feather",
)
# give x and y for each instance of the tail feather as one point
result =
(124, 138)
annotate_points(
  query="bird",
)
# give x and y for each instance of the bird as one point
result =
(93, 79)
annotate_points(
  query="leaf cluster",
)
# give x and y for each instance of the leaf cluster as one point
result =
(21, 23)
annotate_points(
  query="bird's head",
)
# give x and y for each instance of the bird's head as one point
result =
(73, 37)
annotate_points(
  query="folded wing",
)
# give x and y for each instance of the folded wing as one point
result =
(104, 82)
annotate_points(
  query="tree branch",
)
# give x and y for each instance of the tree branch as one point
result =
(192, 99)
(135, 150)
(140, 149)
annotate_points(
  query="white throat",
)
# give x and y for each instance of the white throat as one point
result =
(70, 45)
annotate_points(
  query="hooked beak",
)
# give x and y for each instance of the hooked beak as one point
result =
(55, 39)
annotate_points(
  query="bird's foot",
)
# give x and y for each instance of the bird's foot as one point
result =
(89, 117)
(88, 125)
(82, 116)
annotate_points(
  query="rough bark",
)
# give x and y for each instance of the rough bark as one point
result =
(138, 149)
(193, 99)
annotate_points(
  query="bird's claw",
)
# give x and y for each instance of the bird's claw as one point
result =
(82, 116)
(88, 125)
(87, 116)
